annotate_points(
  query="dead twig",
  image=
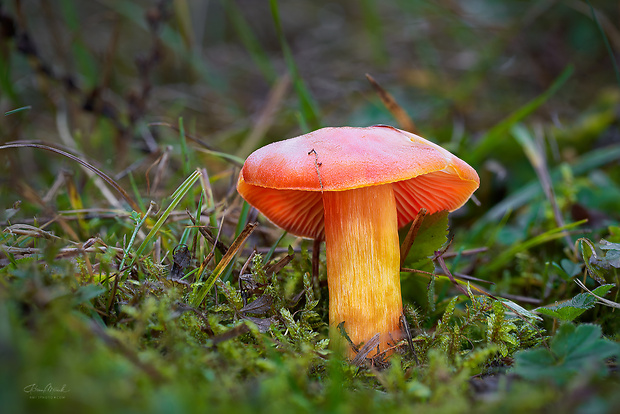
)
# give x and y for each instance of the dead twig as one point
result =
(372, 343)
(411, 234)
(397, 111)
(207, 234)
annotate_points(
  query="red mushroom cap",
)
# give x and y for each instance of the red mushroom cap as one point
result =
(284, 180)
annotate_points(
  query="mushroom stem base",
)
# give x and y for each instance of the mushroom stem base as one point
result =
(363, 263)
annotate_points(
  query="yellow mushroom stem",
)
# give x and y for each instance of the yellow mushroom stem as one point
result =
(363, 263)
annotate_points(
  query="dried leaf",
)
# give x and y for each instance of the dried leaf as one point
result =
(263, 324)
(181, 259)
(365, 350)
(259, 306)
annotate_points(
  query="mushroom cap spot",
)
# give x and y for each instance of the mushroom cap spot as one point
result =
(281, 179)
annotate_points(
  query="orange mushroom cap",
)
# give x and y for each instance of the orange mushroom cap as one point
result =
(284, 180)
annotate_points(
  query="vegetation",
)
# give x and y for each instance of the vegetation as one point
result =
(133, 278)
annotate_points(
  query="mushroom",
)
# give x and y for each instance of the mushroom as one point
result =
(354, 188)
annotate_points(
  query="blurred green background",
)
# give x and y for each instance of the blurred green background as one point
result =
(527, 92)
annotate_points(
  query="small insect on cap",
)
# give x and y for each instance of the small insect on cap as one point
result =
(284, 180)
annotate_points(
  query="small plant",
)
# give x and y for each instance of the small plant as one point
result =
(575, 351)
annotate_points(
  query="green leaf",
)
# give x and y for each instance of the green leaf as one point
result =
(433, 233)
(572, 308)
(86, 293)
(603, 290)
(568, 269)
(592, 261)
(573, 351)
(612, 254)
(519, 309)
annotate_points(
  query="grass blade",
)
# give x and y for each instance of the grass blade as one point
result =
(249, 40)
(177, 196)
(271, 251)
(184, 152)
(222, 264)
(308, 108)
(545, 237)
(243, 217)
(606, 41)
(101, 174)
(537, 158)
(593, 159)
(228, 157)
(494, 137)
(14, 111)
